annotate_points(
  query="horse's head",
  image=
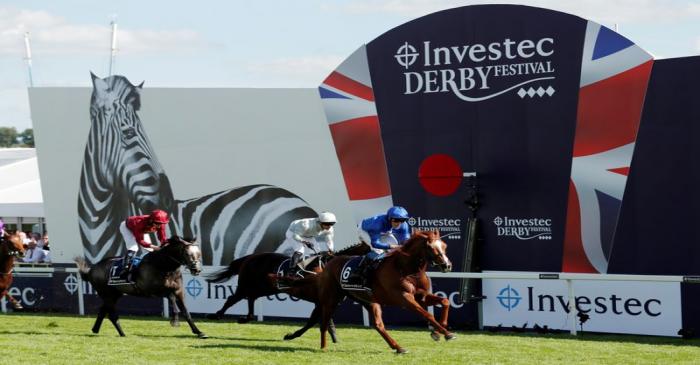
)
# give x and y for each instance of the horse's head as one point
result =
(122, 153)
(12, 245)
(187, 252)
(431, 247)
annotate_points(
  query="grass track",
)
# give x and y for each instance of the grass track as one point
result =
(59, 339)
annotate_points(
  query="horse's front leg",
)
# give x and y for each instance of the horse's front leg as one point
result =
(175, 318)
(411, 304)
(428, 300)
(376, 310)
(180, 299)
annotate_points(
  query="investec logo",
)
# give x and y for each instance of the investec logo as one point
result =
(524, 228)
(446, 226)
(509, 298)
(467, 70)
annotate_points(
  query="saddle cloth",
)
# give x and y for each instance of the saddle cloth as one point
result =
(346, 277)
(115, 267)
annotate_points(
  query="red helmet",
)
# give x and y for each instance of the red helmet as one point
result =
(159, 216)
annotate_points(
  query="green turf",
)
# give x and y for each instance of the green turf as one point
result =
(57, 339)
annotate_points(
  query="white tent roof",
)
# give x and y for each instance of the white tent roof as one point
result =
(20, 187)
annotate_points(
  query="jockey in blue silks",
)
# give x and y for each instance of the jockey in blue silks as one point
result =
(382, 233)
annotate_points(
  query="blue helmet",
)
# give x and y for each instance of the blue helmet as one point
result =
(397, 213)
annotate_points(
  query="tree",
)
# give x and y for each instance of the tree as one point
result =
(8, 136)
(27, 137)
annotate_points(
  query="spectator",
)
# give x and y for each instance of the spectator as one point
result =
(33, 254)
(45, 238)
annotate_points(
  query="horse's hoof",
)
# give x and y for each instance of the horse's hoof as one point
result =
(435, 336)
(95, 331)
(400, 351)
(289, 336)
(243, 320)
(216, 316)
(450, 336)
(202, 335)
(175, 323)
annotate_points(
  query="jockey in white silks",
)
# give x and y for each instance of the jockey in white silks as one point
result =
(314, 234)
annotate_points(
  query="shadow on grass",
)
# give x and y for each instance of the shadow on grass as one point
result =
(256, 347)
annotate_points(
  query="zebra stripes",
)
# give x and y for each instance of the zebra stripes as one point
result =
(121, 176)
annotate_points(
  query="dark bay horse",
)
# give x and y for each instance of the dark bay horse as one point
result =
(11, 247)
(256, 279)
(399, 280)
(158, 275)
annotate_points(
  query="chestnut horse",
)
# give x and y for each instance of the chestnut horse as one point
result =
(399, 280)
(10, 247)
(256, 278)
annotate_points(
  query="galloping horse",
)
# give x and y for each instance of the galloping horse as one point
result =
(157, 275)
(10, 247)
(254, 281)
(398, 280)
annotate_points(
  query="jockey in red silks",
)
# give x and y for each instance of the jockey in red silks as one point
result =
(135, 229)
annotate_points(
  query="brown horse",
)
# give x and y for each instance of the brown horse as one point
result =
(11, 247)
(256, 278)
(399, 280)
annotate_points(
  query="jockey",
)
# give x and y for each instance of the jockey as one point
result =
(134, 230)
(382, 232)
(309, 233)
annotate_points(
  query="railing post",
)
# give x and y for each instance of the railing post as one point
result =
(573, 312)
(81, 302)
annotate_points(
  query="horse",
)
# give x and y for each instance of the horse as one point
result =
(11, 247)
(399, 280)
(158, 275)
(256, 278)
(121, 175)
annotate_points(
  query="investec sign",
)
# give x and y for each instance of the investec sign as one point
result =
(468, 70)
(613, 306)
(204, 297)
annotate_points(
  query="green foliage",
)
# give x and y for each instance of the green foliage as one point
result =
(27, 137)
(44, 339)
(8, 136)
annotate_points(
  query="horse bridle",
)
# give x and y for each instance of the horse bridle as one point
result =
(190, 266)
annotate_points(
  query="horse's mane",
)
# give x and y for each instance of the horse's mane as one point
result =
(416, 236)
(348, 249)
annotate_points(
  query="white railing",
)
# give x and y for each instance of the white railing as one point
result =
(568, 277)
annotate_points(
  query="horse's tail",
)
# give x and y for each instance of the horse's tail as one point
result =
(83, 267)
(223, 275)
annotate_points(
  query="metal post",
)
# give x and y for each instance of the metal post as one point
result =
(113, 46)
(166, 307)
(261, 309)
(28, 58)
(365, 317)
(3, 304)
(573, 312)
(81, 302)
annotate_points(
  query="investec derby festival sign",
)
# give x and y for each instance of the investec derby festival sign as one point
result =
(543, 106)
(452, 67)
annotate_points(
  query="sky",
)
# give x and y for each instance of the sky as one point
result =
(262, 44)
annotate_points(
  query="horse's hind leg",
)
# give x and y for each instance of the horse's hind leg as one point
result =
(98, 322)
(251, 311)
(378, 324)
(230, 301)
(179, 298)
(313, 319)
(110, 307)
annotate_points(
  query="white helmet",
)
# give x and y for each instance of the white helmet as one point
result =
(326, 217)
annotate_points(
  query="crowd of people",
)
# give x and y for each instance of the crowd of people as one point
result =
(36, 246)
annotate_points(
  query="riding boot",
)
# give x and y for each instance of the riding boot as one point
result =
(294, 264)
(126, 264)
(358, 276)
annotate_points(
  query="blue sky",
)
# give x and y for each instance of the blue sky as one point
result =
(263, 44)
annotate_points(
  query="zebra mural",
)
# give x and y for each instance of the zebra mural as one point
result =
(121, 176)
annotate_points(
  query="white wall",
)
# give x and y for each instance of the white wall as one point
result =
(207, 140)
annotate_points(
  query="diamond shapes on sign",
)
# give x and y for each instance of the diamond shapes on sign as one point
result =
(540, 91)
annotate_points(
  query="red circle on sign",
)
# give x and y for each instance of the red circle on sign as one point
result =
(440, 174)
